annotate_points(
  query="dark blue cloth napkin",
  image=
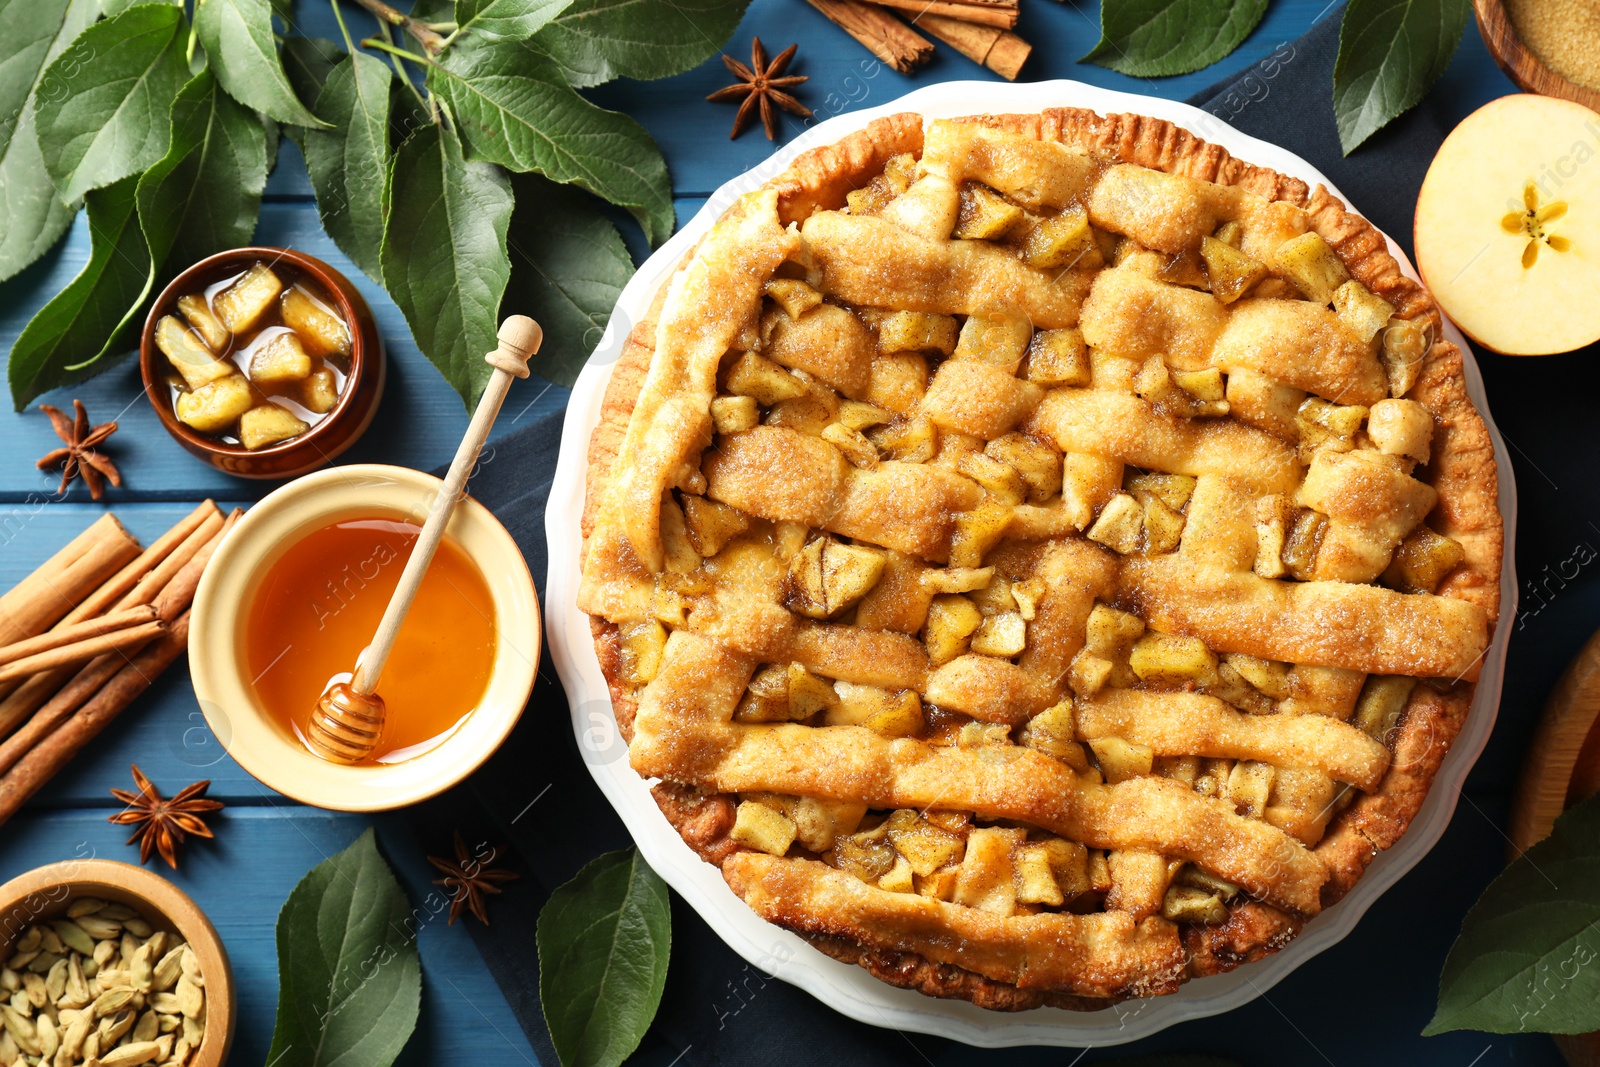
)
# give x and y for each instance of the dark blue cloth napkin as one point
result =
(536, 793)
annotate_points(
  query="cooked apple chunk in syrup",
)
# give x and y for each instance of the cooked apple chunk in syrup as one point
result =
(241, 305)
(267, 424)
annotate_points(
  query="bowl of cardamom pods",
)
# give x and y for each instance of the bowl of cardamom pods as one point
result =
(108, 964)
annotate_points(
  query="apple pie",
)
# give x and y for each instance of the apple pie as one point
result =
(1040, 558)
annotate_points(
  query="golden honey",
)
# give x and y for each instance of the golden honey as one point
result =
(318, 606)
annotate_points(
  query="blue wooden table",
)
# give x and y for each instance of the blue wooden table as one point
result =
(1364, 1001)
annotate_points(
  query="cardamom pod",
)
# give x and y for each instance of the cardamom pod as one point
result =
(33, 986)
(85, 906)
(191, 999)
(169, 968)
(113, 1029)
(74, 936)
(99, 927)
(56, 982)
(112, 1001)
(140, 973)
(49, 1036)
(118, 912)
(76, 1033)
(44, 961)
(21, 1030)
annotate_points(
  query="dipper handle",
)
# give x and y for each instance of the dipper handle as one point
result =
(519, 338)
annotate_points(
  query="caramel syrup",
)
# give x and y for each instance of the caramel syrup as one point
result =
(318, 606)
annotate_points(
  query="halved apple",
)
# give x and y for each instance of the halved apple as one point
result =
(1508, 226)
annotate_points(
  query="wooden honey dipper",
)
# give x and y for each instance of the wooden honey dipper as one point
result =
(348, 720)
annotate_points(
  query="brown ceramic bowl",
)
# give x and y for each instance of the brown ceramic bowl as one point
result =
(336, 431)
(46, 892)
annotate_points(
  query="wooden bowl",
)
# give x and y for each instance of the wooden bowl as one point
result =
(44, 893)
(336, 431)
(1563, 768)
(1520, 64)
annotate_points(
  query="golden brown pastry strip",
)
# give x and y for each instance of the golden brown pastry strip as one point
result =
(1118, 426)
(708, 306)
(1337, 624)
(787, 476)
(1036, 174)
(1294, 342)
(874, 263)
(1189, 724)
(1105, 955)
(1003, 782)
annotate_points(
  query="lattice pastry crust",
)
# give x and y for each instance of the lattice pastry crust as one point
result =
(1042, 557)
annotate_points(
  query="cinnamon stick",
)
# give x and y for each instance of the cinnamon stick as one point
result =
(999, 50)
(136, 589)
(28, 774)
(173, 600)
(87, 649)
(63, 636)
(883, 35)
(102, 599)
(61, 582)
(998, 15)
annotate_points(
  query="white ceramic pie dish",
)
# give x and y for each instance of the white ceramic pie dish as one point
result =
(845, 987)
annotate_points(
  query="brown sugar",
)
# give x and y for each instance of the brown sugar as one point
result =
(1563, 34)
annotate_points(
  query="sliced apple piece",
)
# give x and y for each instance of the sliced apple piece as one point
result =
(1508, 226)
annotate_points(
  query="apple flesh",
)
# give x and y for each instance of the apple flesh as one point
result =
(1508, 226)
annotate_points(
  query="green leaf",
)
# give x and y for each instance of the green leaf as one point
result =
(88, 317)
(1523, 959)
(240, 46)
(1390, 54)
(568, 267)
(514, 108)
(31, 216)
(307, 62)
(102, 105)
(444, 253)
(604, 940)
(597, 40)
(204, 195)
(507, 19)
(349, 976)
(1158, 38)
(349, 163)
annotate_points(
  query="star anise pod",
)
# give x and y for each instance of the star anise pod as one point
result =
(468, 879)
(761, 86)
(79, 456)
(162, 822)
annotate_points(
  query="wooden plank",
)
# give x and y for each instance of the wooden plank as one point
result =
(241, 881)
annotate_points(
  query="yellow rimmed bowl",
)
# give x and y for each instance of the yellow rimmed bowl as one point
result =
(219, 666)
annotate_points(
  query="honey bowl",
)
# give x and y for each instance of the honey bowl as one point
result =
(232, 330)
(47, 895)
(293, 595)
